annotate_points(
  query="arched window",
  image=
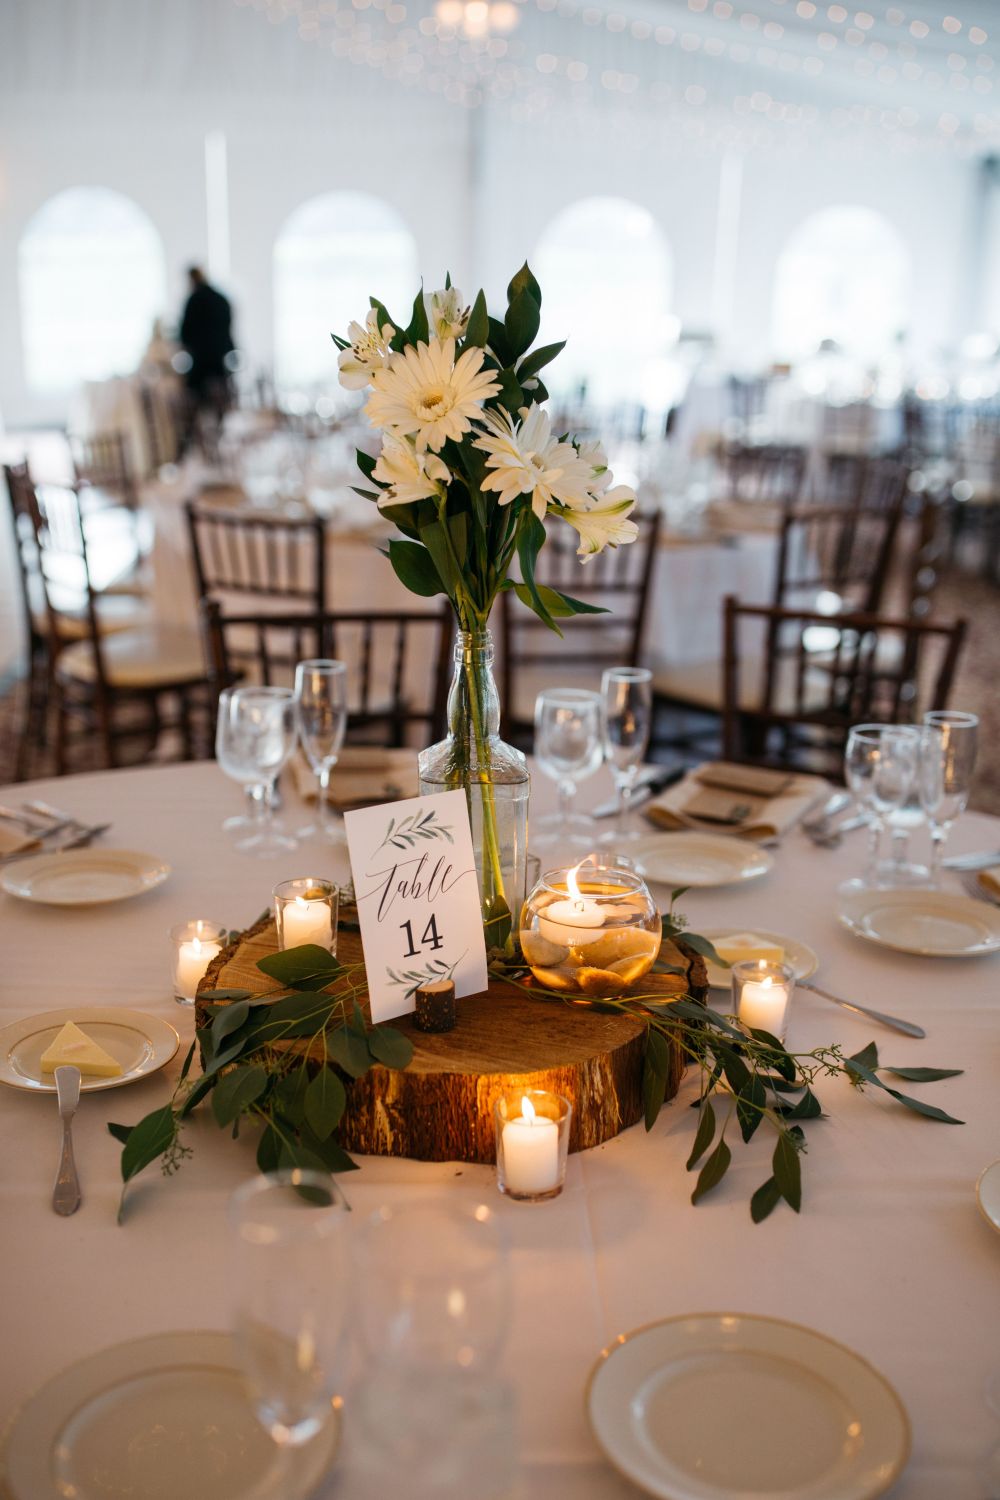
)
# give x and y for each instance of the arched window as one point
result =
(92, 279)
(843, 275)
(606, 274)
(332, 254)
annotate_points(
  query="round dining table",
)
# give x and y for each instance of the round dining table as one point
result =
(889, 1254)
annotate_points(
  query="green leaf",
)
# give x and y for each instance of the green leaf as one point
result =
(418, 331)
(702, 946)
(186, 1065)
(560, 606)
(867, 1057)
(530, 541)
(510, 395)
(498, 342)
(524, 281)
(366, 464)
(290, 1097)
(268, 1150)
(788, 1169)
(807, 1108)
(750, 1103)
(859, 1071)
(308, 967)
(203, 1086)
(538, 359)
(330, 1153)
(713, 1171)
(521, 322)
(292, 1153)
(148, 1140)
(765, 1200)
(349, 1051)
(236, 1091)
(384, 317)
(413, 566)
(433, 536)
(777, 1057)
(703, 1135)
(390, 1046)
(478, 329)
(736, 1071)
(922, 1075)
(325, 1102)
(654, 1088)
(120, 1132)
(228, 1020)
(210, 996)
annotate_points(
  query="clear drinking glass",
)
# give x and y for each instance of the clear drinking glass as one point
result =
(229, 753)
(880, 766)
(627, 694)
(291, 1274)
(260, 735)
(568, 748)
(947, 757)
(321, 715)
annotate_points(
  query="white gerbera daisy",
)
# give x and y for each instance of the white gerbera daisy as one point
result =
(410, 475)
(605, 523)
(422, 393)
(368, 352)
(527, 460)
(445, 313)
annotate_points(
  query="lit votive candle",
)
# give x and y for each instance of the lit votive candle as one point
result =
(195, 944)
(532, 1134)
(574, 921)
(761, 994)
(305, 911)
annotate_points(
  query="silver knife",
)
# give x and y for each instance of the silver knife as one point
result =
(982, 861)
(649, 786)
(77, 841)
(908, 1028)
(66, 1193)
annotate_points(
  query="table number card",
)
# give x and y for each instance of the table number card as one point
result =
(417, 889)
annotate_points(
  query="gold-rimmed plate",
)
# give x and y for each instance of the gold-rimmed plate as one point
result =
(804, 1415)
(141, 1044)
(801, 959)
(83, 877)
(699, 859)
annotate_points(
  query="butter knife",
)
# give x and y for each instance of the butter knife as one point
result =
(908, 1028)
(66, 1193)
(649, 786)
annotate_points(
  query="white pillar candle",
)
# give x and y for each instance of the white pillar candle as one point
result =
(307, 921)
(763, 1003)
(193, 958)
(530, 1152)
(574, 921)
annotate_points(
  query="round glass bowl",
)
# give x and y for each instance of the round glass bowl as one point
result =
(592, 928)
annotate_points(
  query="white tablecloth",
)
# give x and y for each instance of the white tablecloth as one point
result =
(889, 1254)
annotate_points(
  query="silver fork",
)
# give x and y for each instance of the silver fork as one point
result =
(971, 883)
(66, 1193)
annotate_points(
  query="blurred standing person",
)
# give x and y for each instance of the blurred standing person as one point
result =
(206, 334)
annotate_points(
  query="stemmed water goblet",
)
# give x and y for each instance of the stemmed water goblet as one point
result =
(627, 713)
(880, 766)
(568, 748)
(321, 716)
(231, 759)
(947, 755)
(255, 737)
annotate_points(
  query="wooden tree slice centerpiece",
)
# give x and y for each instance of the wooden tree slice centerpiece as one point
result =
(440, 1108)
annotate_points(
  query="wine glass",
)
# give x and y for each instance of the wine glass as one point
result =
(947, 757)
(290, 1270)
(880, 765)
(567, 748)
(627, 694)
(229, 753)
(321, 715)
(262, 731)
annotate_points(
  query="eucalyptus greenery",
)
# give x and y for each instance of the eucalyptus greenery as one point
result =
(747, 1078)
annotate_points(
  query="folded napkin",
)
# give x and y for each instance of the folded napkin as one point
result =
(362, 777)
(989, 884)
(738, 813)
(14, 840)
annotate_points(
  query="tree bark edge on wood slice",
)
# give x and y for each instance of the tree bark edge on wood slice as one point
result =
(440, 1108)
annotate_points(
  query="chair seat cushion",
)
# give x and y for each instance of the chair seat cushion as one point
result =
(114, 613)
(147, 658)
(699, 685)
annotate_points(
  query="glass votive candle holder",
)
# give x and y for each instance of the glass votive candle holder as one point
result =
(306, 911)
(193, 946)
(762, 993)
(532, 1136)
(593, 928)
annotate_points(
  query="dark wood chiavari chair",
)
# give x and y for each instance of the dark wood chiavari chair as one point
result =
(764, 474)
(398, 662)
(240, 555)
(792, 703)
(100, 462)
(618, 579)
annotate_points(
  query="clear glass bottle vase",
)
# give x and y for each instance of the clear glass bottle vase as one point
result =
(495, 779)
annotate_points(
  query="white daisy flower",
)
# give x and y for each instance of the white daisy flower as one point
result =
(527, 460)
(368, 352)
(422, 393)
(605, 523)
(445, 313)
(410, 475)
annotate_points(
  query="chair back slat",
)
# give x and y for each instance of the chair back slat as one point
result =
(277, 557)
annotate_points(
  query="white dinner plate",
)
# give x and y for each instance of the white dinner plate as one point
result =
(84, 877)
(140, 1043)
(698, 859)
(924, 922)
(157, 1417)
(802, 959)
(988, 1194)
(716, 1405)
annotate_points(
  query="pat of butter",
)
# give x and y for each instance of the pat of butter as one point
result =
(75, 1048)
(743, 946)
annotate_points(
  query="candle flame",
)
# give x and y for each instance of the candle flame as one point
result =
(571, 881)
(301, 904)
(195, 943)
(527, 1110)
(766, 983)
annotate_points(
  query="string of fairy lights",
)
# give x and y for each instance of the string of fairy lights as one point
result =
(695, 70)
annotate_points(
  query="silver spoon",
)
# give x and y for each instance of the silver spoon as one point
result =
(66, 1193)
(908, 1028)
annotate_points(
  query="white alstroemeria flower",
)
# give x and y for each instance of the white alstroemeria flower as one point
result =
(527, 460)
(410, 475)
(422, 393)
(368, 352)
(445, 313)
(606, 523)
(592, 453)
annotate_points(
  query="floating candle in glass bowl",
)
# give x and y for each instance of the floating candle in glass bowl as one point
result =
(532, 1135)
(593, 927)
(195, 944)
(305, 911)
(762, 992)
